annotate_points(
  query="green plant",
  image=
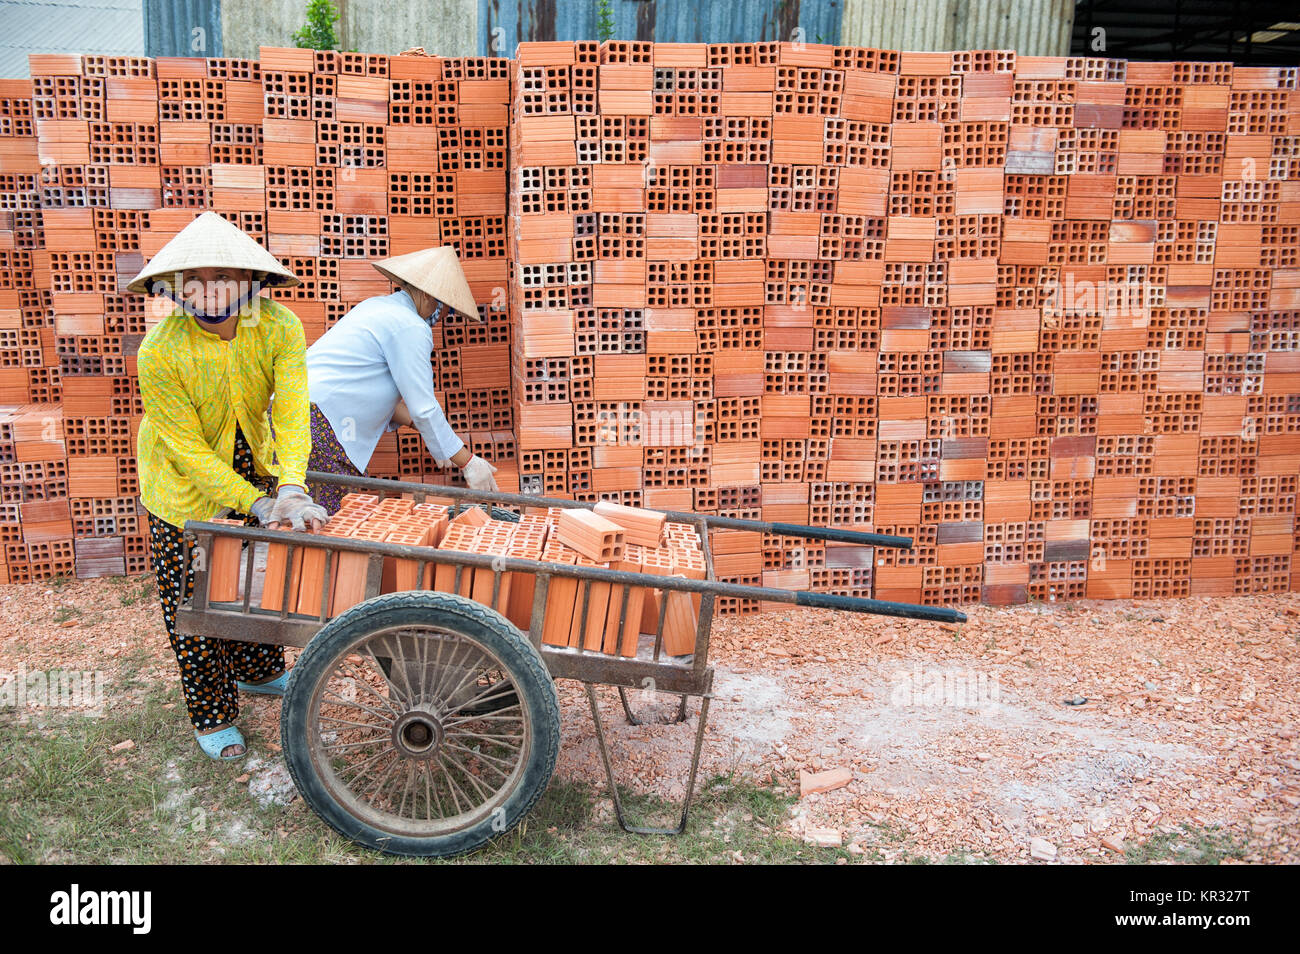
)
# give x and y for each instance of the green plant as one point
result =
(142, 589)
(318, 32)
(1198, 846)
(65, 613)
(604, 21)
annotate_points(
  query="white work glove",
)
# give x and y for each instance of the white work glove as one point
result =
(478, 474)
(261, 509)
(442, 464)
(291, 506)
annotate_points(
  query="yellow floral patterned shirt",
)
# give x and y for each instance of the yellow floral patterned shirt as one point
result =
(197, 387)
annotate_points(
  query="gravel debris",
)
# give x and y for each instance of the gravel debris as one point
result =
(957, 741)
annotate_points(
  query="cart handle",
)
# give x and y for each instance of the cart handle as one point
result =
(835, 535)
(856, 604)
(528, 500)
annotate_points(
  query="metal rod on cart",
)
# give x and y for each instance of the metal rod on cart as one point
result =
(525, 500)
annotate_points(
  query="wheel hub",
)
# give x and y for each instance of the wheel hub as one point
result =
(418, 734)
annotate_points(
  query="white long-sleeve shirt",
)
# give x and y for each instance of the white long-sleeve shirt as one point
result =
(357, 371)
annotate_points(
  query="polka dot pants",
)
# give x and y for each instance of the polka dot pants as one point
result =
(209, 666)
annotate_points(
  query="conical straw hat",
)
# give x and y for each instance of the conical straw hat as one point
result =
(211, 242)
(436, 272)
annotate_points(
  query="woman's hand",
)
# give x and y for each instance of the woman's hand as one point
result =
(261, 509)
(292, 505)
(478, 475)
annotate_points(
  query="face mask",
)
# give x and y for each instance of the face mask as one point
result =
(432, 320)
(160, 288)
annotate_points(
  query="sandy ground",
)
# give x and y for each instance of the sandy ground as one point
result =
(958, 739)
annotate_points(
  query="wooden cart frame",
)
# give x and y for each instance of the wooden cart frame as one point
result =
(683, 676)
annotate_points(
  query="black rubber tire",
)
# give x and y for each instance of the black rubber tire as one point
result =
(522, 665)
(492, 510)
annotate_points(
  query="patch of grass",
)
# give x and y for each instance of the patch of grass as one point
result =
(732, 820)
(11, 845)
(137, 590)
(65, 613)
(67, 797)
(963, 856)
(68, 800)
(890, 846)
(1195, 846)
(130, 666)
(887, 833)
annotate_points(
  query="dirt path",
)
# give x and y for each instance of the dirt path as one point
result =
(958, 738)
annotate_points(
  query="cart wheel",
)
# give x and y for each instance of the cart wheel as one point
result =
(393, 730)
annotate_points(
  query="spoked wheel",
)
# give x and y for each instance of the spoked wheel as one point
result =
(420, 723)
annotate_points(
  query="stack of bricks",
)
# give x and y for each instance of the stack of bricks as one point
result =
(330, 160)
(370, 156)
(586, 616)
(877, 290)
(19, 169)
(636, 271)
(1039, 314)
(362, 517)
(36, 525)
(373, 156)
(576, 616)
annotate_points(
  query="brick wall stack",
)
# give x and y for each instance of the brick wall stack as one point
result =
(874, 286)
(369, 156)
(576, 615)
(329, 159)
(1040, 314)
(35, 523)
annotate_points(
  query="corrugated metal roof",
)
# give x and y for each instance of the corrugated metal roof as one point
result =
(182, 27)
(1030, 27)
(112, 27)
(689, 21)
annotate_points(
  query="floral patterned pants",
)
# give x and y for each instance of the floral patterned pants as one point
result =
(328, 456)
(209, 666)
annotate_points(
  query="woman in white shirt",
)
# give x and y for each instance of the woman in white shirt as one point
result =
(371, 372)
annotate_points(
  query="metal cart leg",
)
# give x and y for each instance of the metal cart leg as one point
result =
(633, 720)
(609, 767)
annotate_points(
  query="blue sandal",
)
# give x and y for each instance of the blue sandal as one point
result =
(273, 688)
(213, 743)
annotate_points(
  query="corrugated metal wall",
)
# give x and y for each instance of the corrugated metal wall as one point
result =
(110, 27)
(477, 27)
(505, 23)
(495, 27)
(182, 28)
(1030, 27)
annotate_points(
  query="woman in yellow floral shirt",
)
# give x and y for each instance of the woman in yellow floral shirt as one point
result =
(207, 375)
